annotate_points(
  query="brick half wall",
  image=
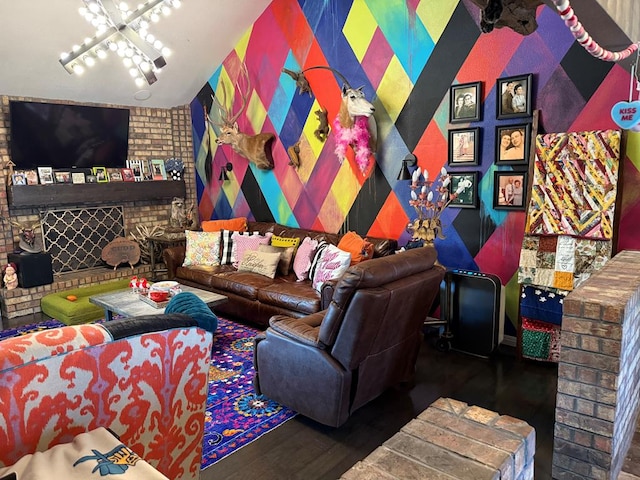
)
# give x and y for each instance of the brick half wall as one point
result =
(599, 373)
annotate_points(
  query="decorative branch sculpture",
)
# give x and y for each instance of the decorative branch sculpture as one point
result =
(255, 148)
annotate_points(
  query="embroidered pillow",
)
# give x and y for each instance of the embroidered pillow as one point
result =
(302, 260)
(332, 264)
(359, 248)
(286, 256)
(263, 263)
(238, 224)
(277, 241)
(243, 242)
(202, 248)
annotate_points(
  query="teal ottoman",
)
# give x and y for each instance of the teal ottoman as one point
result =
(81, 310)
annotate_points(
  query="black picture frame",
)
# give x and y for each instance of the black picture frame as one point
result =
(516, 136)
(502, 199)
(459, 112)
(464, 146)
(469, 197)
(505, 94)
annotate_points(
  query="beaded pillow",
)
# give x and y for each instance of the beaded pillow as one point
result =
(302, 260)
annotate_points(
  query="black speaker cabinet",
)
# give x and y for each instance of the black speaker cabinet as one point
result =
(34, 269)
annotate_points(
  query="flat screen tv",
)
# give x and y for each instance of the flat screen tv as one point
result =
(67, 136)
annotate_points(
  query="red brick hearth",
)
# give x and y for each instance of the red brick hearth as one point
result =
(599, 374)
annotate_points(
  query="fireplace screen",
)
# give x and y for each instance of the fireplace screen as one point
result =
(75, 237)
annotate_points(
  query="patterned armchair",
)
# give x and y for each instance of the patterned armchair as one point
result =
(145, 378)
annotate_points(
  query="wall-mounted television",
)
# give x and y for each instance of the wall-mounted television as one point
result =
(67, 136)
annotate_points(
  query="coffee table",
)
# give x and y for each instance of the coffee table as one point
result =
(127, 303)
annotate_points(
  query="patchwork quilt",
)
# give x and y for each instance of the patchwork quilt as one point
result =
(560, 261)
(575, 184)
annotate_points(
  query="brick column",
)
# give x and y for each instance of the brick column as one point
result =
(599, 373)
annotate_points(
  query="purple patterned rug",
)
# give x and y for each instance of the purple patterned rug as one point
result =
(235, 415)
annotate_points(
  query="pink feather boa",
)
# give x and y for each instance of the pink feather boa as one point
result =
(358, 137)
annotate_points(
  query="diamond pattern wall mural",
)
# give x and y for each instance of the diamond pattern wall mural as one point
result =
(405, 55)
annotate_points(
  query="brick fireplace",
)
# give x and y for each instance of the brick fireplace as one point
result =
(598, 398)
(153, 133)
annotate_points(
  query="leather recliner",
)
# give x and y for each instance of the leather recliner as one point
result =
(328, 364)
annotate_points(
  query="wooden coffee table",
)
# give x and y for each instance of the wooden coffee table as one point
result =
(127, 303)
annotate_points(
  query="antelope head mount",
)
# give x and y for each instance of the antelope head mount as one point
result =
(255, 148)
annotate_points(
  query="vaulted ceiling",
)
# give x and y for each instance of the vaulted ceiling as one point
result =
(200, 34)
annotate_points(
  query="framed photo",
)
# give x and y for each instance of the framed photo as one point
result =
(91, 178)
(77, 177)
(513, 144)
(32, 177)
(466, 186)
(115, 175)
(158, 170)
(509, 190)
(136, 166)
(127, 175)
(463, 146)
(146, 169)
(465, 102)
(19, 178)
(45, 174)
(101, 174)
(62, 176)
(514, 96)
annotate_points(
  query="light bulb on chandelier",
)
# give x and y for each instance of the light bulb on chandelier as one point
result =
(125, 32)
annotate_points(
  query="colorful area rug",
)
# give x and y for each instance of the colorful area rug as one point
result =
(235, 415)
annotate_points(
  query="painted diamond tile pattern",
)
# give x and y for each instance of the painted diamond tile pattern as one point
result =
(575, 184)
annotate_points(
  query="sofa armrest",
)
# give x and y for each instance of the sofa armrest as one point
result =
(304, 330)
(173, 258)
(326, 293)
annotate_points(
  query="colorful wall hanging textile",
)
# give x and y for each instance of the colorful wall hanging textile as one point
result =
(575, 184)
(560, 261)
(539, 303)
(540, 340)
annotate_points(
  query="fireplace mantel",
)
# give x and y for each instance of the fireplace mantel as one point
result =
(25, 196)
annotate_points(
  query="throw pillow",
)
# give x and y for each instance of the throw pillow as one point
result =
(302, 260)
(202, 248)
(277, 241)
(189, 304)
(332, 264)
(228, 249)
(286, 256)
(242, 243)
(238, 224)
(263, 263)
(359, 248)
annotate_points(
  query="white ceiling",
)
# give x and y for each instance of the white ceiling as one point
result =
(201, 34)
(34, 33)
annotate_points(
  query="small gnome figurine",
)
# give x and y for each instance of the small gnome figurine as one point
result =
(10, 276)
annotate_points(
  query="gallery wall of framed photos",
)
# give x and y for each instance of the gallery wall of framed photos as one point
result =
(513, 130)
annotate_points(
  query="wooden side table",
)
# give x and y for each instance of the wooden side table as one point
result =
(165, 241)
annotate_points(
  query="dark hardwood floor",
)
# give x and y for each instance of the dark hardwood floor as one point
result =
(303, 449)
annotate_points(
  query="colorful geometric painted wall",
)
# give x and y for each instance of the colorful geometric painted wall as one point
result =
(406, 55)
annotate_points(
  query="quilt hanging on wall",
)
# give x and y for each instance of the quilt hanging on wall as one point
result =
(575, 182)
(560, 261)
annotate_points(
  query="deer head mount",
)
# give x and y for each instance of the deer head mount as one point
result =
(255, 148)
(29, 241)
(354, 125)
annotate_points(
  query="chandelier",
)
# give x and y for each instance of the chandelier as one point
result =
(125, 32)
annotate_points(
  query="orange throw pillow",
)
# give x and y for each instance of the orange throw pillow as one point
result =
(359, 248)
(238, 224)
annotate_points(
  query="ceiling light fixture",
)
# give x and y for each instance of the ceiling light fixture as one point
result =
(125, 32)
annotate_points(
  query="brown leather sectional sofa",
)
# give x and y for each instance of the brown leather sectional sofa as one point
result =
(256, 298)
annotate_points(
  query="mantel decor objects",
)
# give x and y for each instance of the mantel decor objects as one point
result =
(465, 102)
(514, 96)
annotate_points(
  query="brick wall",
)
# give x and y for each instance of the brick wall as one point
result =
(599, 373)
(153, 133)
